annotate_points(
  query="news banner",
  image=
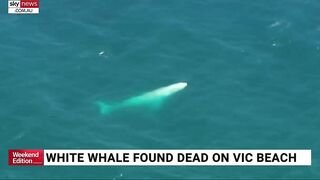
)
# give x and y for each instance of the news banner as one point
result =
(159, 157)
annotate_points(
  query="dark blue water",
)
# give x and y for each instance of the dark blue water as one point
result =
(252, 68)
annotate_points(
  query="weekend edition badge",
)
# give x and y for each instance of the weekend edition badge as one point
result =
(23, 7)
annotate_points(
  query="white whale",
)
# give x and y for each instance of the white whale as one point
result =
(152, 98)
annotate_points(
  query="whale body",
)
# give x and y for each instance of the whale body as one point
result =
(152, 99)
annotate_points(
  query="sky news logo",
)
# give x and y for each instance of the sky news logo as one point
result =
(23, 7)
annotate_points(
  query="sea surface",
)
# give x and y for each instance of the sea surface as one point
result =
(252, 67)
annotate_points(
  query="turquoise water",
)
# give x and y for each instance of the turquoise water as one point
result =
(252, 68)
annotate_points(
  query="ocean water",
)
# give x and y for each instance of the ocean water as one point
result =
(252, 67)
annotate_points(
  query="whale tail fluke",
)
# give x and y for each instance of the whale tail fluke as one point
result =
(104, 108)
